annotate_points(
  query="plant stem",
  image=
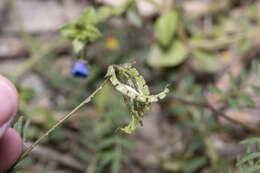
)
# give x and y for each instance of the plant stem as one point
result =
(27, 38)
(219, 113)
(224, 41)
(40, 139)
(35, 57)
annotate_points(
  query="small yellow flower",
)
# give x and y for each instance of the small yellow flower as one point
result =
(112, 44)
(226, 56)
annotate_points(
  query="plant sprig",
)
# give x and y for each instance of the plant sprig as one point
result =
(84, 31)
(139, 104)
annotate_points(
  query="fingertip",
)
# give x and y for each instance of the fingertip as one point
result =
(8, 100)
(11, 146)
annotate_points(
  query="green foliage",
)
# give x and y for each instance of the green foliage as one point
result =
(200, 124)
(173, 56)
(237, 96)
(21, 128)
(195, 164)
(207, 61)
(100, 146)
(166, 26)
(254, 67)
(84, 31)
(250, 162)
(133, 16)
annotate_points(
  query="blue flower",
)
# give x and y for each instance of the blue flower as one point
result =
(80, 69)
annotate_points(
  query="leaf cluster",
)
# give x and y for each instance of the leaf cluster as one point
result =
(249, 163)
(101, 146)
(85, 31)
(237, 96)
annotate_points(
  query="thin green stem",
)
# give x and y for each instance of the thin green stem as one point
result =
(40, 139)
(156, 5)
(35, 57)
(36, 54)
(224, 41)
(27, 38)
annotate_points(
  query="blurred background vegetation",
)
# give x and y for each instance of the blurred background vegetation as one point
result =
(207, 51)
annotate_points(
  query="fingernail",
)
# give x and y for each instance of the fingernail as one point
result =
(8, 103)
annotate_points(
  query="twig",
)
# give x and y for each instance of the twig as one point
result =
(40, 139)
(218, 113)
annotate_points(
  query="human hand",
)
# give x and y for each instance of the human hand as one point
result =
(10, 141)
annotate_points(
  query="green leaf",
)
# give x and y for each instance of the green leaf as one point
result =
(195, 164)
(234, 104)
(246, 24)
(256, 89)
(243, 75)
(213, 88)
(207, 61)
(176, 55)
(244, 45)
(247, 99)
(103, 13)
(18, 126)
(254, 66)
(83, 155)
(124, 157)
(166, 26)
(78, 45)
(251, 140)
(253, 169)
(249, 157)
(107, 158)
(116, 163)
(242, 169)
(189, 82)
(178, 110)
(232, 81)
(134, 18)
(21, 164)
(126, 143)
(88, 143)
(26, 130)
(108, 142)
(249, 150)
(118, 11)
(88, 16)
(91, 33)
(69, 30)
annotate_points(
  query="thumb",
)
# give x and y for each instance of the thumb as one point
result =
(8, 104)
